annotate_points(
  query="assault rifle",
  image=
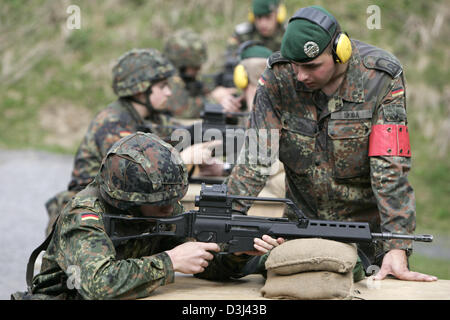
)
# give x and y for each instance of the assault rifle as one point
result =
(215, 222)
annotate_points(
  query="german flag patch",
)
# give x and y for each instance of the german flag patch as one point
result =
(261, 81)
(89, 216)
(397, 92)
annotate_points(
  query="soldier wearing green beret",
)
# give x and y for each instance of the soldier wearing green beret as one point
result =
(338, 105)
(265, 24)
(266, 19)
(140, 176)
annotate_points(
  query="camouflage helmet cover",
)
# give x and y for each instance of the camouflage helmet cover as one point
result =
(186, 48)
(138, 69)
(141, 169)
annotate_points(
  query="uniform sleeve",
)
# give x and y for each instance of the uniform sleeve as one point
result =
(85, 247)
(389, 173)
(260, 152)
(109, 132)
(102, 133)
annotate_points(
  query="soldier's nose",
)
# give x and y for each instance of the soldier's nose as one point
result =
(301, 76)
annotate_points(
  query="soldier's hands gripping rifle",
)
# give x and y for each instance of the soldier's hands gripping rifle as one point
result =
(216, 222)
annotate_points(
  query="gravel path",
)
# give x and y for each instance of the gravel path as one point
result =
(29, 179)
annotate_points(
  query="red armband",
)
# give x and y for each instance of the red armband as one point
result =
(389, 140)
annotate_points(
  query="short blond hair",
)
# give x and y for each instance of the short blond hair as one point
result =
(254, 68)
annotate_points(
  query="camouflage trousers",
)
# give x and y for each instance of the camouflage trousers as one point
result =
(55, 205)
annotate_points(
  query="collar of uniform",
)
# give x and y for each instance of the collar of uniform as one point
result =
(352, 88)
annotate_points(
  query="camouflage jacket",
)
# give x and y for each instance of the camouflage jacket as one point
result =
(324, 141)
(82, 262)
(247, 31)
(187, 99)
(111, 124)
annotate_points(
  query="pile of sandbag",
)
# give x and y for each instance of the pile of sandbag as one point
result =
(310, 269)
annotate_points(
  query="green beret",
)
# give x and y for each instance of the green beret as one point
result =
(264, 7)
(304, 40)
(256, 52)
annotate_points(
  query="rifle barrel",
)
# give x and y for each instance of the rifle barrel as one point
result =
(417, 237)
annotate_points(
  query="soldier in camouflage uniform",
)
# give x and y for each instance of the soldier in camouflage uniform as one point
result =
(140, 81)
(266, 25)
(140, 176)
(187, 51)
(343, 137)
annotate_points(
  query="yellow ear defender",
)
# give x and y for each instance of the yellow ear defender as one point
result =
(240, 77)
(342, 48)
(251, 16)
(281, 14)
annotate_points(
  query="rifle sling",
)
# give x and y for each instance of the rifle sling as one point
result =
(35, 254)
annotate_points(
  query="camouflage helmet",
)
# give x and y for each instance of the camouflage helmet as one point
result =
(138, 69)
(186, 48)
(141, 169)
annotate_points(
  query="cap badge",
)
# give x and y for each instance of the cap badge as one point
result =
(311, 49)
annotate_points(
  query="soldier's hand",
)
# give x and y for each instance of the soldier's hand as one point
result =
(263, 245)
(200, 153)
(192, 257)
(395, 263)
(225, 97)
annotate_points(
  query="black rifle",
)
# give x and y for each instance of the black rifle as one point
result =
(215, 222)
(215, 124)
(224, 78)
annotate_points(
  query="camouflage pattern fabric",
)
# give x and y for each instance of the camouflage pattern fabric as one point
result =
(157, 175)
(188, 98)
(116, 121)
(138, 69)
(81, 261)
(186, 48)
(246, 31)
(324, 145)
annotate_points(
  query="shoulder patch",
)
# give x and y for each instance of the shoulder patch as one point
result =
(243, 28)
(384, 63)
(276, 57)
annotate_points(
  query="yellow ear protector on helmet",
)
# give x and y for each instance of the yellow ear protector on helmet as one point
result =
(240, 75)
(281, 14)
(341, 46)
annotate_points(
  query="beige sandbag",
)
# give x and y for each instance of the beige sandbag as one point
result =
(308, 286)
(302, 255)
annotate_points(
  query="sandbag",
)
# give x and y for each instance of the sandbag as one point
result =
(311, 285)
(302, 255)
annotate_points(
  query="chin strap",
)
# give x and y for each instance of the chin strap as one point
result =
(147, 104)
